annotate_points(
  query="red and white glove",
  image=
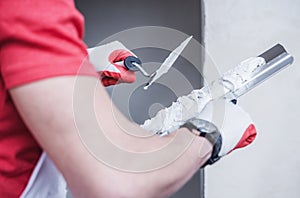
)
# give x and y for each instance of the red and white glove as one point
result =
(108, 60)
(236, 129)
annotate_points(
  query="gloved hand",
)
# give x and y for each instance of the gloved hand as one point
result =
(108, 60)
(235, 128)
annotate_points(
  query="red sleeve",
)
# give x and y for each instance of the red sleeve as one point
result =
(38, 39)
(41, 39)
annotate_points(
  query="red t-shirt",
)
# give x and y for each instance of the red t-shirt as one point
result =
(38, 40)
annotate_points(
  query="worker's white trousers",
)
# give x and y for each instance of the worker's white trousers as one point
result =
(45, 181)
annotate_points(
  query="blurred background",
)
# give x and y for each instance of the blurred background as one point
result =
(234, 31)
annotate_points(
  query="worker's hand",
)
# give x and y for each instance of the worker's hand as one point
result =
(108, 60)
(236, 127)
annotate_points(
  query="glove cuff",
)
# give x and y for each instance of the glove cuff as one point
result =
(210, 132)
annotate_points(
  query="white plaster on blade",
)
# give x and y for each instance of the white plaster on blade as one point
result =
(234, 78)
(186, 107)
(190, 106)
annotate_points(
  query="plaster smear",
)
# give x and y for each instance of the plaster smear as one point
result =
(236, 77)
(190, 106)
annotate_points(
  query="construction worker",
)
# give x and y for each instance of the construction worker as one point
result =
(42, 55)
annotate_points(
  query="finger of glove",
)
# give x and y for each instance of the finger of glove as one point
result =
(247, 138)
(107, 81)
(126, 76)
(119, 55)
(110, 74)
(231, 120)
(116, 60)
(237, 130)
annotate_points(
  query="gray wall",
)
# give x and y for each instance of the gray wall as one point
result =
(104, 18)
(236, 30)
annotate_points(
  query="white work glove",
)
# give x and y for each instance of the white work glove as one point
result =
(235, 126)
(108, 60)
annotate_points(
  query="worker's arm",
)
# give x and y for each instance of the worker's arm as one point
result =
(47, 108)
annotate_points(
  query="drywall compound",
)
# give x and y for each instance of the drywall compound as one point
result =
(190, 106)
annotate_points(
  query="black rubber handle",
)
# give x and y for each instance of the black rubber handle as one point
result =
(128, 63)
(273, 52)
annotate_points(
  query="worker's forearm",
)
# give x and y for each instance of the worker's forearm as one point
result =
(102, 180)
(186, 155)
(167, 180)
(66, 127)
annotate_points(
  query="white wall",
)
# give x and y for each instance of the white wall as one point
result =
(270, 167)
